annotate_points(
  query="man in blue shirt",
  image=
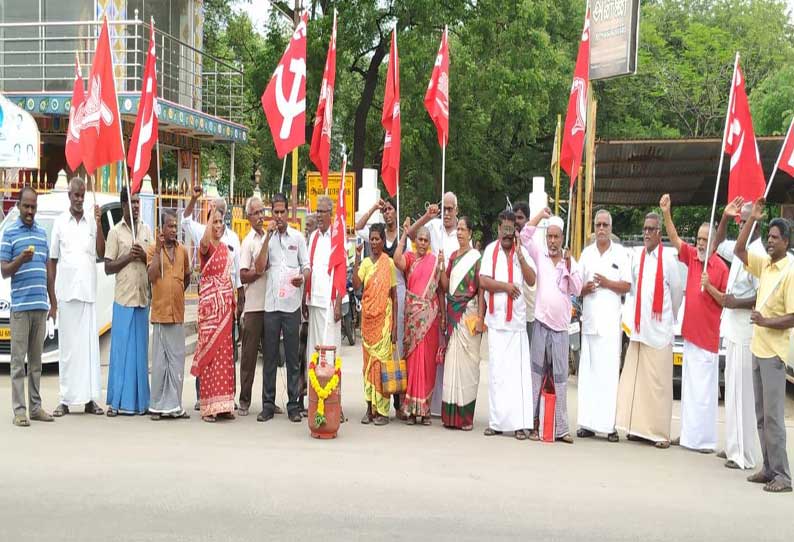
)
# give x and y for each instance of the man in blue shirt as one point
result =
(23, 257)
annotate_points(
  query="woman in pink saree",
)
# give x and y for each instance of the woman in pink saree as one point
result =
(423, 322)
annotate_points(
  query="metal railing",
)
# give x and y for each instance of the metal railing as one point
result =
(40, 56)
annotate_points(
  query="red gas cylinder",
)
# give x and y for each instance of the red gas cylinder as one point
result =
(323, 365)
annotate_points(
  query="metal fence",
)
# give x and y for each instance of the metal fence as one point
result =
(40, 57)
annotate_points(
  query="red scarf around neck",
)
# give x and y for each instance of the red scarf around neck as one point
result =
(658, 290)
(496, 251)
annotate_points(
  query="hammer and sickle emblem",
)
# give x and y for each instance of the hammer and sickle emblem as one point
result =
(290, 107)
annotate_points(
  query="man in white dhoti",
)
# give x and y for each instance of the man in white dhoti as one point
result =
(705, 291)
(75, 243)
(324, 324)
(645, 390)
(606, 270)
(741, 434)
(505, 266)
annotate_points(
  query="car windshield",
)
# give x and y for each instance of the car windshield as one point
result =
(43, 220)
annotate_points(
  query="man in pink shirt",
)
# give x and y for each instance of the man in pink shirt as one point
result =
(558, 279)
(705, 295)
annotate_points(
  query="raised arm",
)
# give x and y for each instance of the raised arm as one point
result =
(399, 253)
(731, 211)
(191, 204)
(672, 233)
(204, 244)
(431, 213)
(740, 250)
(362, 222)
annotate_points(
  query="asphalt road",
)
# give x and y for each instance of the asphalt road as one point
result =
(86, 478)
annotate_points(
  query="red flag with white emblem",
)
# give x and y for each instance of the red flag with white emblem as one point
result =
(144, 136)
(437, 95)
(320, 150)
(746, 177)
(284, 99)
(576, 117)
(100, 127)
(337, 263)
(390, 119)
(786, 159)
(74, 154)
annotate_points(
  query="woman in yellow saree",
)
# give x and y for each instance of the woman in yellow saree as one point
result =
(378, 321)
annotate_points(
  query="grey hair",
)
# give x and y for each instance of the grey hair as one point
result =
(426, 231)
(712, 229)
(220, 205)
(326, 200)
(654, 216)
(249, 202)
(451, 195)
(76, 183)
(170, 213)
(603, 212)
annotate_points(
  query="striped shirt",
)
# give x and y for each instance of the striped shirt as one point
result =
(29, 283)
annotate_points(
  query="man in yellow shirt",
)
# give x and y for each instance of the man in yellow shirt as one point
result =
(773, 319)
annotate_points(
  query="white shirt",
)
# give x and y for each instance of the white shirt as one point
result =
(73, 244)
(321, 279)
(196, 231)
(735, 323)
(653, 332)
(286, 257)
(254, 291)
(601, 310)
(441, 238)
(498, 318)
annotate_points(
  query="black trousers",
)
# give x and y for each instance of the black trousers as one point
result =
(284, 325)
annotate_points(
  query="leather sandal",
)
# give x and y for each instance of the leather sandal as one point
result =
(92, 408)
(21, 420)
(520, 435)
(776, 486)
(584, 433)
(566, 438)
(60, 410)
(613, 437)
(759, 477)
(662, 445)
(491, 432)
(380, 420)
(209, 419)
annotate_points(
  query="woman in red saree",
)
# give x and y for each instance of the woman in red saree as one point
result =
(213, 362)
(423, 322)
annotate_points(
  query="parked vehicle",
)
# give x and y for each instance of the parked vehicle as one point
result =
(49, 207)
(351, 308)
(575, 335)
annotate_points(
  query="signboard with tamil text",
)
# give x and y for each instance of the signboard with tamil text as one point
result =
(314, 189)
(614, 31)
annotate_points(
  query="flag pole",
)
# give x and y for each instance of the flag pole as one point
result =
(556, 172)
(722, 159)
(443, 169)
(283, 170)
(159, 201)
(570, 209)
(772, 176)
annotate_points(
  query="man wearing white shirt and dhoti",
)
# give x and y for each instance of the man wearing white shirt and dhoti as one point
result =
(606, 270)
(742, 449)
(324, 327)
(645, 391)
(75, 243)
(504, 267)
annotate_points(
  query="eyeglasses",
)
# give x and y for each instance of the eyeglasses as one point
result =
(323, 211)
(649, 229)
(602, 225)
(448, 209)
(256, 212)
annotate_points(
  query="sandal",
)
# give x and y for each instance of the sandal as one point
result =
(60, 410)
(92, 408)
(566, 438)
(20, 420)
(521, 435)
(154, 417)
(209, 419)
(426, 421)
(410, 421)
(367, 419)
(491, 432)
(380, 420)
(776, 486)
(613, 437)
(226, 416)
(533, 435)
(662, 445)
(112, 412)
(467, 428)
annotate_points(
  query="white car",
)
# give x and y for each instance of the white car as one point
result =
(49, 207)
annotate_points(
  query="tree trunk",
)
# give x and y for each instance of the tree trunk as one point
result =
(362, 111)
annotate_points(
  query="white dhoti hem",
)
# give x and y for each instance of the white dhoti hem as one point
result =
(741, 430)
(599, 372)
(78, 353)
(509, 381)
(318, 318)
(699, 396)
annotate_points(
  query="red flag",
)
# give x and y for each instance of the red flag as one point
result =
(338, 259)
(390, 119)
(786, 159)
(100, 129)
(320, 150)
(144, 136)
(437, 95)
(746, 178)
(74, 155)
(284, 99)
(576, 117)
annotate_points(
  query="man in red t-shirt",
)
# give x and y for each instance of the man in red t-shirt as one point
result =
(705, 293)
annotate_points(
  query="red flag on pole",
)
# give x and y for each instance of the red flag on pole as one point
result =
(338, 259)
(786, 160)
(320, 150)
(284, 99)
(746, 178)
(390, 119)
(100, 129)
(437, 95)
(576, 117)
(74, 155)
(144, 136)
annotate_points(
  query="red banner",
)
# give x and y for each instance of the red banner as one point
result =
(320, 150)
(390, 119)
(437, 95)
(144, 136)
(576, 117)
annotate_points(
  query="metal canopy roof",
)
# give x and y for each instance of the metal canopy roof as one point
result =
(639, 172)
